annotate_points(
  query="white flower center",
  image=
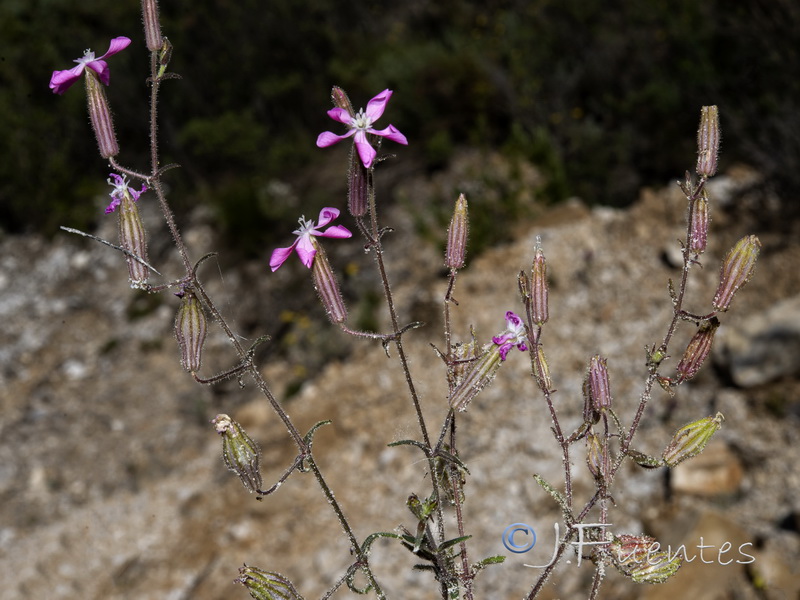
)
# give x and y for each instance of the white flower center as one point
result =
(88, 56)
(361, 121)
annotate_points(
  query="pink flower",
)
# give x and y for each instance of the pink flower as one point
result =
(514, 335)
(304, 244)
(61, 81)
(120, 189)
(360, 125)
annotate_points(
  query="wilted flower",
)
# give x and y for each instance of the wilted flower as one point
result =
(121, 188)
(61, 81)
(303, 243)
(360, 125)
(514, 335)
(132, 236)
(240, 453)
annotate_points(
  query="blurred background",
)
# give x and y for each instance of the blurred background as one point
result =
(599, 95)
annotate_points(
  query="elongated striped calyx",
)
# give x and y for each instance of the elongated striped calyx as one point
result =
(152, 28)
(133, 238)
(239, 452)
(266, 585)
(190, 330)
(737, 269)
(457, 235)
(100, 116)
(539, 291)
(708, 139)
(327, 286)
(698, 350)
(698, 224)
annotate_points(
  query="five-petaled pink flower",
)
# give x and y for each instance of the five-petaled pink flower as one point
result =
(61, 81)
(120, 189)
(304, 244)
(514, 335)
(360, 125)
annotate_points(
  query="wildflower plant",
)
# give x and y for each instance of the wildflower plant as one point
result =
(469, 362)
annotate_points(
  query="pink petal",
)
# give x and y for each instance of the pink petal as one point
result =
(61, 81)
(279, 256)
(306, 250)
(117, 45)
(377, 105)
(339, 114)
(391, 133)
(337, 231)
(326, 138)
(326, 215)
(365, 152)
(101, 68)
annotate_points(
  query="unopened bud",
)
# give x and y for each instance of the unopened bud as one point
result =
(327, 287)
(457, 235)
(240, 453)
(133, 238)
(164, 54)
(266, 585)
(708, 138)
(691, 439)
(539, 292)
(100, 115)
(341, 100)
(737, 269)
(357, 186)
(190, 330)
(597, 458)
(599, 387)
(698, 350)
(481, 373)
(152, 28)
(698, 225)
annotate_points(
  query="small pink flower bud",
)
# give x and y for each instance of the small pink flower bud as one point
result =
(240, 453)
(190, 330)
(539, 292)
(737, 269)
(152, 28)
(266, 585)
(341, 100)
(708, 138)
(698, 225)
(599, 387)
(327, 287)
(691, 439)
(698, 350)
(357, 187)
(133, 238)
(100, 116)
(597, 458)
(457, 235)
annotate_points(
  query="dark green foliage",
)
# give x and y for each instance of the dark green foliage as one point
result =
(599, 95)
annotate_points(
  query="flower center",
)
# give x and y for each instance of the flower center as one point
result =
(305, 226)
(88, 56)
(361, 121)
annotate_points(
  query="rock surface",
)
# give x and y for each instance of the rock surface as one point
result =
(112, 484)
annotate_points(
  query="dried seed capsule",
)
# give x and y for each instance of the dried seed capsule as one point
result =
(100, 115)
(539, 291)
(737, 269)
(691, 439)
(266, 585)
(457, 235)
(698, 225)
(190, 330)
(133, 238)
(599, 387)
(698, 350)
(152, 28)
(708, 138)
(327, 287)
(240, 453)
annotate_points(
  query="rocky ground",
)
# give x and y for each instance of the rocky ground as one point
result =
(111, 480)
